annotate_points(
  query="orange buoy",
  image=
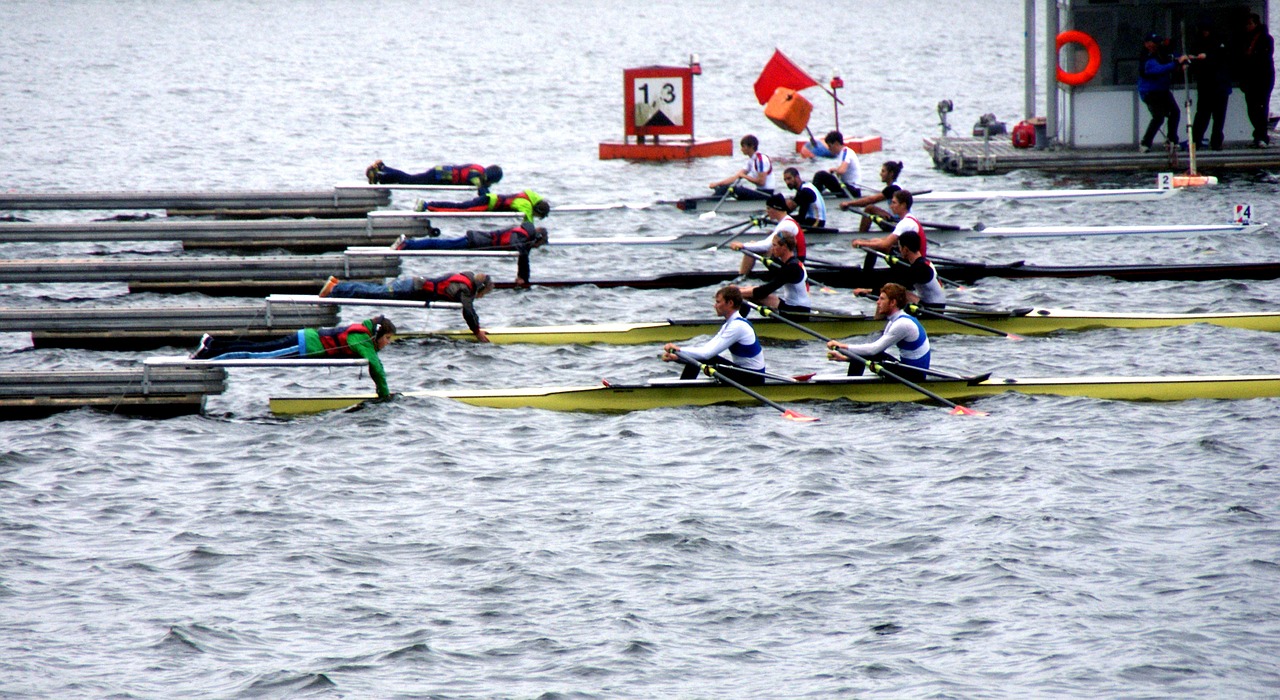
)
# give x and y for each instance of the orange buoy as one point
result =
(1075, 36)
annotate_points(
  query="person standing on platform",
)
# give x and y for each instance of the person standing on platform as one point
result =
(1213, 86)
(528, 203)
(737, 335)
(364, 339)
(521, 239)
(775, 209)
(461, 287)
(758, 171)
(1155, 75)
(889, 173)
(1258, 77)
(810, 207)
(471, 174)
(844, 177)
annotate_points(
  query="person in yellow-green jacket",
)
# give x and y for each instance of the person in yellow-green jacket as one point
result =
(362, 339)
(528, 203)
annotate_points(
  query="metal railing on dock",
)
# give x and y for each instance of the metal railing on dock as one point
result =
(333, 202)
(138, 328)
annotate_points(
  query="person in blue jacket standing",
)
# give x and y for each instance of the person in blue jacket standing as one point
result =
(1155, 76)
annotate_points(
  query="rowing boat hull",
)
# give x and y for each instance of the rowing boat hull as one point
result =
(698, 205)
(1035, 322)
(667, 393)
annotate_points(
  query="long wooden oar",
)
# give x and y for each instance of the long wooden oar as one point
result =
(717, 375)
(876, 367)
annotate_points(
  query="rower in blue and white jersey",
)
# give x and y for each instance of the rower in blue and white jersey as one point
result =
(736, 335)
(810, 206)
(902, 330)
(758, 171)
(841, 179)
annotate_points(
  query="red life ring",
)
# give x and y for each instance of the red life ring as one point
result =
(1075, 36)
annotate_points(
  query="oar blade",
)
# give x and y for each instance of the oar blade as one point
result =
(1014, 336)
(965, 411)
(798, 417)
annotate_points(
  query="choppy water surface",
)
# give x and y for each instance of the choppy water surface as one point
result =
(1059, 547)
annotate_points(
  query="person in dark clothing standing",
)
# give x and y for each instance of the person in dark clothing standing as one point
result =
(1155, 75)
(1258, 77)
(1213, 86)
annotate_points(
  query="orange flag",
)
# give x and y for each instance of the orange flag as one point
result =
(780, 72)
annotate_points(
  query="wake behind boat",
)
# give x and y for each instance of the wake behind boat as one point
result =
(668, 392)
(1024, 321)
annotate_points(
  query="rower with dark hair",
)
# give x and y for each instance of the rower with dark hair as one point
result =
(889, 173)
(758, 171)
(844, 177)
(900, 206)
(775, 209)
(472, 174)
(786, 286)
(917, 275)
(528, 203)
(810, 207)
(362, 339)
(461, 287)
(902, 330)
(521, 239)
(736, 335)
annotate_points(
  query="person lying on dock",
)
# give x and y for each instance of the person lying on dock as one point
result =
(528, 203)
(758, 171)
(776, 209)
(901, 330)
(364, 339)
(917, 275)
(900, 206)
(736, 335)
(842, 178)
(889, 173)
(472, 174)
(461, 287)
(810, 207)
(786, 286)
(522, 239)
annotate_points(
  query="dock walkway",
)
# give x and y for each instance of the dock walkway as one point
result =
(971, 156)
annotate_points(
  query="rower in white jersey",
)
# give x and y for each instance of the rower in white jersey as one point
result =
(809, 205)
(841, 179)
(916, 273)
(758, 171)
(737, 335)
(776, 209)
(786, 286)
(902, 330)
(900, 205)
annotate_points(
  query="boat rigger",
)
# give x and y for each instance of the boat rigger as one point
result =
(662, 393)
(1025, 321)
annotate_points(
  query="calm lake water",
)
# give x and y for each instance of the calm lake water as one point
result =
(1056, 548)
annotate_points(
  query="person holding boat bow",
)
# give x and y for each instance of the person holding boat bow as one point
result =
(901, 330)
(776, 209)
(900, 205)
(529, 203)
(364, 339)
(786, 286)
(736, 335)
(522, 239)
(461, 287)
(472, 174)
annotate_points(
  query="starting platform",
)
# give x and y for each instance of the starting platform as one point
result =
(976, 156)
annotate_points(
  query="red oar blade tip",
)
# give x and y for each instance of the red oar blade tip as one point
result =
(962, 411)
(798, 417)
(1014, 336)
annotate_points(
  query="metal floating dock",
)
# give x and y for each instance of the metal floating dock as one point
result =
(160, 392)
(973, 156)
(333, 202)
(140, 328)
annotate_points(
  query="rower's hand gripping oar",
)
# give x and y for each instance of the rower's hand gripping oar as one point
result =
(712, 214)
(919, 310)
(746, 226)
(717, 375)
(876, 367)
(927, 224)
(892, 260)
(770, 262)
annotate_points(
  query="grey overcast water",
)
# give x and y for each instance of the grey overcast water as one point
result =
(421, 548)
